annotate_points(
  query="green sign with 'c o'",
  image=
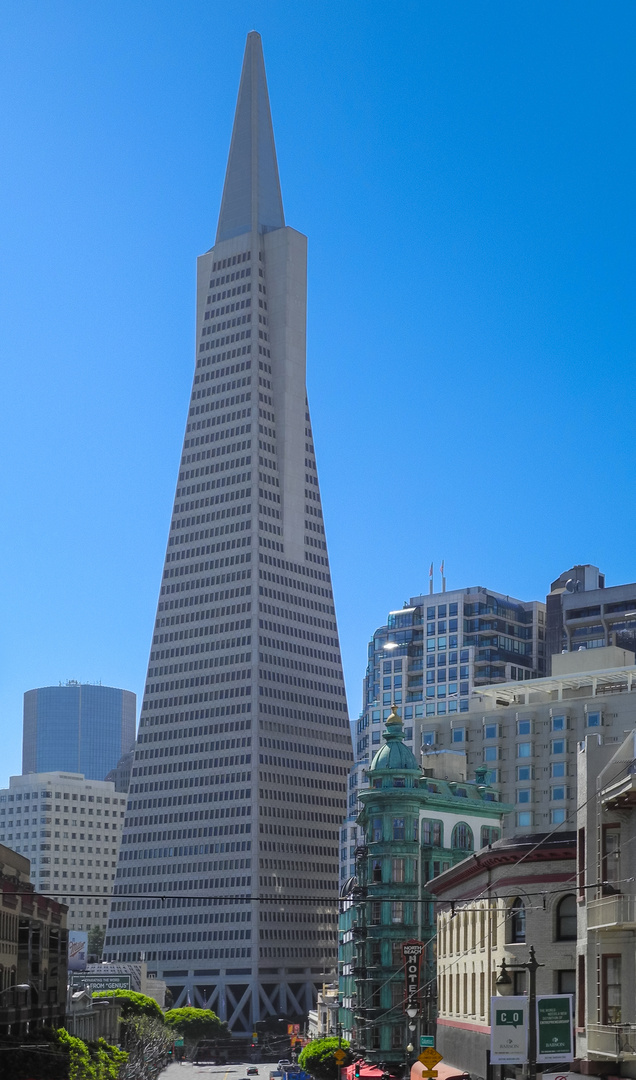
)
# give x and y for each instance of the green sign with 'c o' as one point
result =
(509, 1018)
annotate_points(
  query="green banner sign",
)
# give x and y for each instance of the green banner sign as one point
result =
(427, 1040)
(554, 1028)
(96, 982)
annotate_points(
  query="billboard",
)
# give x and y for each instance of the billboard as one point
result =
(77, 950)
(95, 982)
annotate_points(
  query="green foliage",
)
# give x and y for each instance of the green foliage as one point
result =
(108, 1060)
(80, 1064)
(133, 1004)
(195, 1024)
(58, 1055)
(96, 936)
(317, 1058)
(91, 1061)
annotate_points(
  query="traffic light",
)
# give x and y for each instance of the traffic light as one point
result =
(356, 1070)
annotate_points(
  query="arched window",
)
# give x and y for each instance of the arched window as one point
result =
(462, 837)
(566, 918)
(517, 920)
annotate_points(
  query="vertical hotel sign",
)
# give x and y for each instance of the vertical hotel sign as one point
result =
(412, 951)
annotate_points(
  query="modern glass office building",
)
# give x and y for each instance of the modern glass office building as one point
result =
(77, 727)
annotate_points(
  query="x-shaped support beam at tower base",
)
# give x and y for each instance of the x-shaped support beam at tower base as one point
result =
(282, 1001)
(273, 1000)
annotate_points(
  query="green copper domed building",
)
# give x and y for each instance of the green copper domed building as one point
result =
(415, 826)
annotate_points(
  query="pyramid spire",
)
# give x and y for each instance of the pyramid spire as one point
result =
(252, 199)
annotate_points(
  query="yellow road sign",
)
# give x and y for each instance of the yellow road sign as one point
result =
(428, 1074)
(340, 1056)
(429, 1057)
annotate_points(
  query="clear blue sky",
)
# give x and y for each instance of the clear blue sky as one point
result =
(465, 174)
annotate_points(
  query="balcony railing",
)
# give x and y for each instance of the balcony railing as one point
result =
(612, 913)
(617, 1041)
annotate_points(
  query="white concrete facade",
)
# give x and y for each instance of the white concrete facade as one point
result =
(527, 733)
(69, 828)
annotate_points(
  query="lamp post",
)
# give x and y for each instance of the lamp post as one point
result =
(409, 1051)
(504, 985)
(411, 1012)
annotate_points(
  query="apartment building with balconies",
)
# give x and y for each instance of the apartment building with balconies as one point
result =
(583, 613)
(491, 908)
(606, 897)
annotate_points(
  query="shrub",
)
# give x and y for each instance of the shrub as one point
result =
(317, 1058)
(195, 1024)
(133, 1004)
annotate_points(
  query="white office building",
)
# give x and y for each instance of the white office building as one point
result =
(69, 828)
(228, 874)
(527, 733)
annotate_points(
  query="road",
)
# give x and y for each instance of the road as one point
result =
(217, 1072)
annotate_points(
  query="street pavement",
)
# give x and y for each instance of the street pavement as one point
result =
(218, 1072)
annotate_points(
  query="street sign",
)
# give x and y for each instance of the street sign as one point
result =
(554, 1028)
(508, 1030)
(428, 1074)
(427, 1040)
(430, 1057)
(340, 1056)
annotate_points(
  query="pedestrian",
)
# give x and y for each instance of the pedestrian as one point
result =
(179, 1045)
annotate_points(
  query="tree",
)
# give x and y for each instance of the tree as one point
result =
(96, 936)
(195, 1024)
(317, 1058)
(133, 1004)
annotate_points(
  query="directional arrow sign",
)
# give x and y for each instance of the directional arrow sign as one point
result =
(430, 1057)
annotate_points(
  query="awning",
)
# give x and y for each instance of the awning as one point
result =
(442, 1069)
(367, 1072)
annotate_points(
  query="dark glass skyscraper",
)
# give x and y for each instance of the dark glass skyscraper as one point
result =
(78, 728)
(228, 872)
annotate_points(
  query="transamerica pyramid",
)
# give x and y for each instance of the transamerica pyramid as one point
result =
(227, 877)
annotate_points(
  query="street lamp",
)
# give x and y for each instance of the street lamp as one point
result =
(504, 986)
(411, 1012)
(409, 1051)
